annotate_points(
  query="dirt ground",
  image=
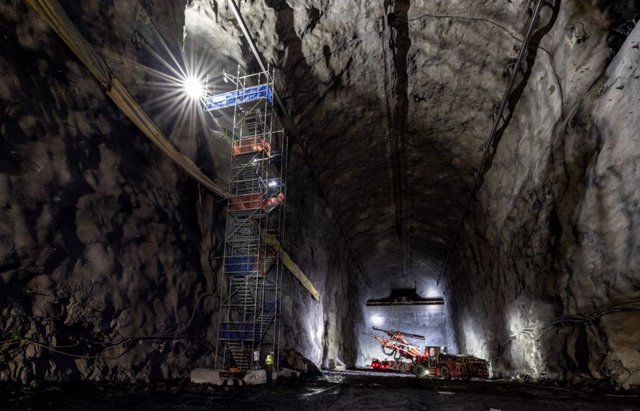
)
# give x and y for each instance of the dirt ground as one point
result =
(351, 390)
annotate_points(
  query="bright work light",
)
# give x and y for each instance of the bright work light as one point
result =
(193, 88)
(377, 320)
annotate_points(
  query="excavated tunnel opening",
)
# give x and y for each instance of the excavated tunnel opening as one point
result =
(112, 246)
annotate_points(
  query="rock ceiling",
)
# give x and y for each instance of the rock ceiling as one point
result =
(393, 102)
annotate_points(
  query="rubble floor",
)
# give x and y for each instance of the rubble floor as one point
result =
(349, 390)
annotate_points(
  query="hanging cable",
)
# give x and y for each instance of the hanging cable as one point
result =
(56, 17)
(536, 333)
(479, 174)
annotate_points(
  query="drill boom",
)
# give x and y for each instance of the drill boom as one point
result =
(390, 333)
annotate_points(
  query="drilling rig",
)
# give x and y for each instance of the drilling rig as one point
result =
(432, 361)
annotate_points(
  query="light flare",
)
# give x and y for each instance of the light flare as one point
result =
(194, 88)
(377, 320)
(175, 88)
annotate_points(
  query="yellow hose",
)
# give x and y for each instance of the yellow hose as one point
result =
(56, 17)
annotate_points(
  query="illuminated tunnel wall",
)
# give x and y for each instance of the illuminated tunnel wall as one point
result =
(431, 321)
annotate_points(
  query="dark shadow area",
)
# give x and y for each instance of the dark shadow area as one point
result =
(332, 391)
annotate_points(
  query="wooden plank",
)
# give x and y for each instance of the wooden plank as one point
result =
(291, 266)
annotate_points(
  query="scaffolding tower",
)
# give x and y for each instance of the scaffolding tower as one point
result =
(249, 317)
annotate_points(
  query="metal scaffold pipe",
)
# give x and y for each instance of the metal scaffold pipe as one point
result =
(492, 135)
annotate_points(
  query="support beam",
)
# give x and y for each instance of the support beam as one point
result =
(297, 272)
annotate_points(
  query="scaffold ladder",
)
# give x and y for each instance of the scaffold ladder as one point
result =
(249, 316)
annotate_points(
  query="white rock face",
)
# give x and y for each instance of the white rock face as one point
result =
(255, 377)
(206, 376)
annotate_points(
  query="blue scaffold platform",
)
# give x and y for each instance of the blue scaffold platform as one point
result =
(245, 95)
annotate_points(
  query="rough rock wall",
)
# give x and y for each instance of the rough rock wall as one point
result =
(343, 76)
(327, 329)
(317, 330)
(105, 246)
(553, 230)
(321, 330)
(332, 64)
(394, 100)
(109, 263)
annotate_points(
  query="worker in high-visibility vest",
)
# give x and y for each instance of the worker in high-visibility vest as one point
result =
(268, 362)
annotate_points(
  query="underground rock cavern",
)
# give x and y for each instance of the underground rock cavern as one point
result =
(348, 204)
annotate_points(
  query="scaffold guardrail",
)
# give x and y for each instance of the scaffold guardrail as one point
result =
(232, 98)
(249, 317)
